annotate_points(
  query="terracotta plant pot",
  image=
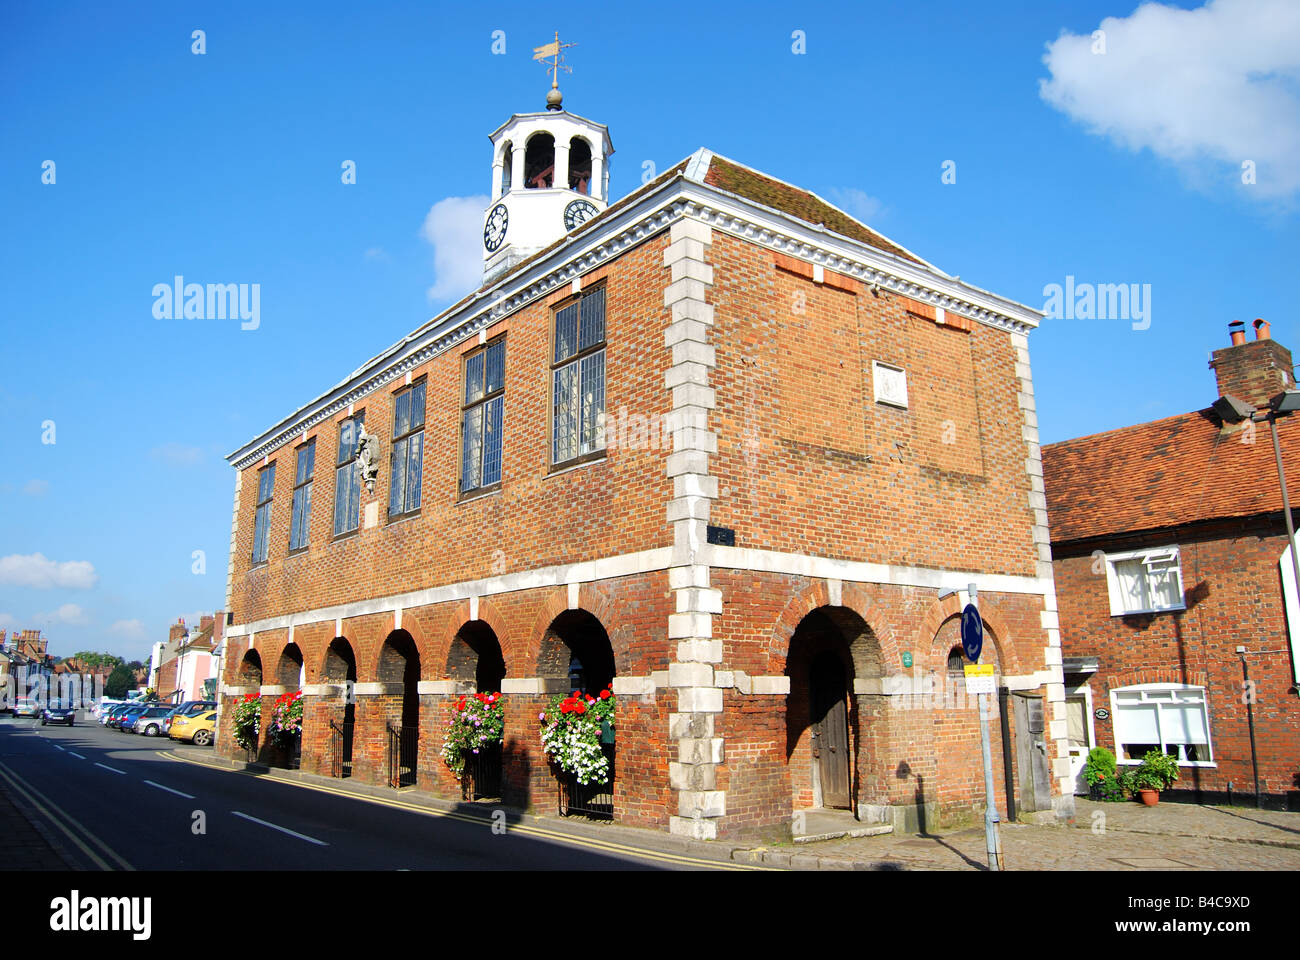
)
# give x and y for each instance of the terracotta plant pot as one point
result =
(1149, 797)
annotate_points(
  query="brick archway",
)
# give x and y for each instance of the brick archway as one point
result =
(941, 611)
(855, 602)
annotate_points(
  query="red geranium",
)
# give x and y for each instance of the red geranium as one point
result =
(580, 707)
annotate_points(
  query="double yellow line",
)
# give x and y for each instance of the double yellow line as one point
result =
(68, 825)
(604, 846)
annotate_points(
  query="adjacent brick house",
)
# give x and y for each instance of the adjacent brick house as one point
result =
(1169, 544)
(181, 667)
(717, 444)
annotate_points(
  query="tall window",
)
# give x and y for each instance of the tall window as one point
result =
(347, 478)
(1169, 717)
(1144, 581)
(408, 451)
(302, 495)
(262, 521)
(578, 379)
(482, 407)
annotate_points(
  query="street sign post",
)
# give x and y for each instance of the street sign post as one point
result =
(972, 641)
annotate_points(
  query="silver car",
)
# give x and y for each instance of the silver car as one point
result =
(150, 722)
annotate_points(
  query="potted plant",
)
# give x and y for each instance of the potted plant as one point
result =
(1105, 782)
(573, 731)
(476, 724)
(1156, 771)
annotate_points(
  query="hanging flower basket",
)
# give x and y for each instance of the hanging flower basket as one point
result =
(573, 730)
(247, 719)
(476, 723)
(285, 727)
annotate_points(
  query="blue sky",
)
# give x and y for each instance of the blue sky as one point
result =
(226, 167)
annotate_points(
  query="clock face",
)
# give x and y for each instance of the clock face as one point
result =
(494, 231)
(578, 212)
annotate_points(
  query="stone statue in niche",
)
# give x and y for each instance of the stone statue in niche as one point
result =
(368, 458)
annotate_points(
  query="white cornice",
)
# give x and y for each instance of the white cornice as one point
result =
(611, 235)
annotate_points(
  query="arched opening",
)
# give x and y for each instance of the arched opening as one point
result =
(288, 672)
(580, 165)
(577, 648)
(399, 662)
(539, 162)
(827, 748)
(956, 723)
(250, 669)
(507, 166)
(475, 655)
(341, 668)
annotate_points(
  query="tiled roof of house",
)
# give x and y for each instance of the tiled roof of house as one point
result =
(1165, 473)
(752, 185)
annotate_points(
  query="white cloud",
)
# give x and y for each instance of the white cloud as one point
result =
(70, 614)
(857, 203)
(36, 488)
(128, 629)
(177, 454)
(7, 620)
(454, 227)
(34, 570)
(376, 253)
(1205, 89)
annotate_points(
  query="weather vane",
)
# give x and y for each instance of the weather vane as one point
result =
(555, 51)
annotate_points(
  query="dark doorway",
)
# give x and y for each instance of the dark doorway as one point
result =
(828, 696)
(341, 668)
(399, 661)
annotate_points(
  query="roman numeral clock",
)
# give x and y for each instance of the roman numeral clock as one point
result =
(550, 175)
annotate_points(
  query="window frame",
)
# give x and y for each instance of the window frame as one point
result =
(464, 408)
(1114, 593)
(259, 503)
(580, 353)
(1175, 688)
(360, 418)
(420, 382)
(298, 485)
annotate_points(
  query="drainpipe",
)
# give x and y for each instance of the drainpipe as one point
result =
(1003, 703)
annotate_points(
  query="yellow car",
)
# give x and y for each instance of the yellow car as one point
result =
(199, 729)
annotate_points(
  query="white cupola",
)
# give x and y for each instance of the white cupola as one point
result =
(550, 174)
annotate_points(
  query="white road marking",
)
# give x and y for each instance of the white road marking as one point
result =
(77, 755)
(57, 747)
(187, 796)
(114, 769)
(300, 836)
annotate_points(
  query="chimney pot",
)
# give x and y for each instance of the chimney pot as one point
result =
(1238, 331)
(1261, 329)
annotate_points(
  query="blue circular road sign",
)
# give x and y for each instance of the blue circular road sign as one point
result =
(972, 632)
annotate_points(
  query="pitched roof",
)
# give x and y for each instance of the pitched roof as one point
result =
(1165, 473)
(752, 185)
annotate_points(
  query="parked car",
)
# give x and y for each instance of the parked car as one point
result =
(122, 719)
(190, 708)
(26, 707)
(59, 711)
(103, 706)
(149, 721)
(198, 729)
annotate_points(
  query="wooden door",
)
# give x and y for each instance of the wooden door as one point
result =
(830, 724)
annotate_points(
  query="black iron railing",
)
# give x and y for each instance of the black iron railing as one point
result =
(482, 777)
(341, 748)
(402, 743)
(594, 800)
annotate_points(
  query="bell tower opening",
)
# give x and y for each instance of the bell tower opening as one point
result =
(539, 162)
(580, 166)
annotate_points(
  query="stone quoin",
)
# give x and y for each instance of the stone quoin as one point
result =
(750, 575)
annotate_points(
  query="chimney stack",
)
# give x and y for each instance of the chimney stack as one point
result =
(1254, 371)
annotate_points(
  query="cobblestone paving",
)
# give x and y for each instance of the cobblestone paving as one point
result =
(1131, 837)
